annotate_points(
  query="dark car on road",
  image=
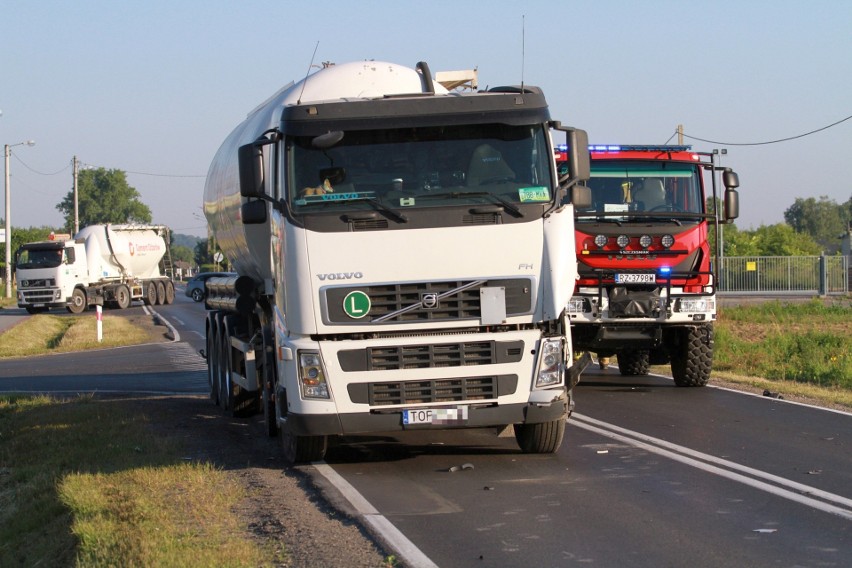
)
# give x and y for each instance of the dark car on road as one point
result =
(195, 286)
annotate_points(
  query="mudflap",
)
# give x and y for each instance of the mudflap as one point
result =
(574, 372)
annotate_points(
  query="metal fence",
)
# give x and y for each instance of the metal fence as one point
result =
(819, 275)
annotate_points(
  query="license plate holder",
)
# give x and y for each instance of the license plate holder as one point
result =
(629, 278)
(434, 416)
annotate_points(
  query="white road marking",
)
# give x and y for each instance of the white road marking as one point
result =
(785, 488)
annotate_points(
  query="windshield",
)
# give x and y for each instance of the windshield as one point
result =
(39, 258)
(406, 169)
(625, 189)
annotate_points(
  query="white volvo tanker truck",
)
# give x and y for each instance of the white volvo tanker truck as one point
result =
(101, 264)
(405, 256)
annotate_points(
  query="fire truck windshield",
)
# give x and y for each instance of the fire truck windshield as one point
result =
(627, 189)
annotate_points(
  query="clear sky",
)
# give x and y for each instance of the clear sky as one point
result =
(153, 87)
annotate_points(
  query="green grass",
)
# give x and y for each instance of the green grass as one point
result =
(43, 333)
(808, 343)
(85, 482)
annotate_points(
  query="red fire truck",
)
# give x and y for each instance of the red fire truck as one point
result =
(647, 289)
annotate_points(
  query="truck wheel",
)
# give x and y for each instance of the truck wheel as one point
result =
(170, 292)
(268, 376)
(122, 297)
(693, 360)
(302, 449)
(161, 293)
(151, 293)
(297, 449)
(542, 438)
(224, 382)
(77, 304)
(633, 362)
(212, 356)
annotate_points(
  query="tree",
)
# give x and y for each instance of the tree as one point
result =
(824, 220)
(768, 240)
(103, 196)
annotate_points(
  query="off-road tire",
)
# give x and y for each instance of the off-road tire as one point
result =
(541, 438)
(692, 359)
(634, 362)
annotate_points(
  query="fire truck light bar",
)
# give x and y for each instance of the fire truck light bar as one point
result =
(628, 148)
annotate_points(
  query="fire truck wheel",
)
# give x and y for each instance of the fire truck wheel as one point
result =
(693, 361)
(77, 305)
(634, 362)
(542, 438)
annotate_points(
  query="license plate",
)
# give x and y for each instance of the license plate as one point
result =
(434, 416)
(635, 278)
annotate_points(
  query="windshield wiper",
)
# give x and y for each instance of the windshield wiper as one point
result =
(461, 194)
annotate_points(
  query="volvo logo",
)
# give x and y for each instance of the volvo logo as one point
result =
(340, 275)
(429, 300)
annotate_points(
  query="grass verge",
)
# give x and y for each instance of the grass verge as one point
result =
(84, 482)
(44, 333)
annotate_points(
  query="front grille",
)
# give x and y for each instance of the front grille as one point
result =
(402, 302)
(37, 296)
(462, 354)
(433, 391)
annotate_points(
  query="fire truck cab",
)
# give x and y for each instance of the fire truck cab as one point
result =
(646, 290)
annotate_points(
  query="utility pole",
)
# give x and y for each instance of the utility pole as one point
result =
(680, 135)
(76, 210)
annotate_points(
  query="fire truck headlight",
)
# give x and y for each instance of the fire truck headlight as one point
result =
(576, 305)
(696, 305)
(622, 241)
(667, 241)
(312, 375)
(551, 366)
(601, 241)
(645, 241)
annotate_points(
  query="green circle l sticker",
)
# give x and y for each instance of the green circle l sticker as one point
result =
(356, 304)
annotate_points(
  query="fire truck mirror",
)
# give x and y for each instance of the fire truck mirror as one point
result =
(732, 204)
(730, 179)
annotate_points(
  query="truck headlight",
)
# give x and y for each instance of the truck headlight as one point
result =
(696, 304)
(312, 375)
(551, 363)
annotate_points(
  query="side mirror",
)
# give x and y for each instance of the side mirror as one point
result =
(730, 179)
(70, 255)
(732, 204)
(250, 158)
(581, 197)
(579, 164)
(253, 212)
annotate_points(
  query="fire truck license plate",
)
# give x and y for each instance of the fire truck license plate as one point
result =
(434, 416)
(635, 278)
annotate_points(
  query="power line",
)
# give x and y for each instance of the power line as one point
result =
(768, 141)
(38, 172)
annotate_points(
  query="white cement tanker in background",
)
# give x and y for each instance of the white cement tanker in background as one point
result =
(405, 255)
(101, 264)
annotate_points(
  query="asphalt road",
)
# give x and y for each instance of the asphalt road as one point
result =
(648, 475)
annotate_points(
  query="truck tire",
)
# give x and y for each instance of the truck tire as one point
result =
(161, 293)
(212, 354)
(122, 296)
(170, 292)
(302, 449)
(77, 304)
(636, 362)
(268, 377)
(692, 361)
(542, 438)
(297, 449)
(151, 294)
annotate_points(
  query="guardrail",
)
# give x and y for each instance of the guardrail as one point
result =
(818, 275)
